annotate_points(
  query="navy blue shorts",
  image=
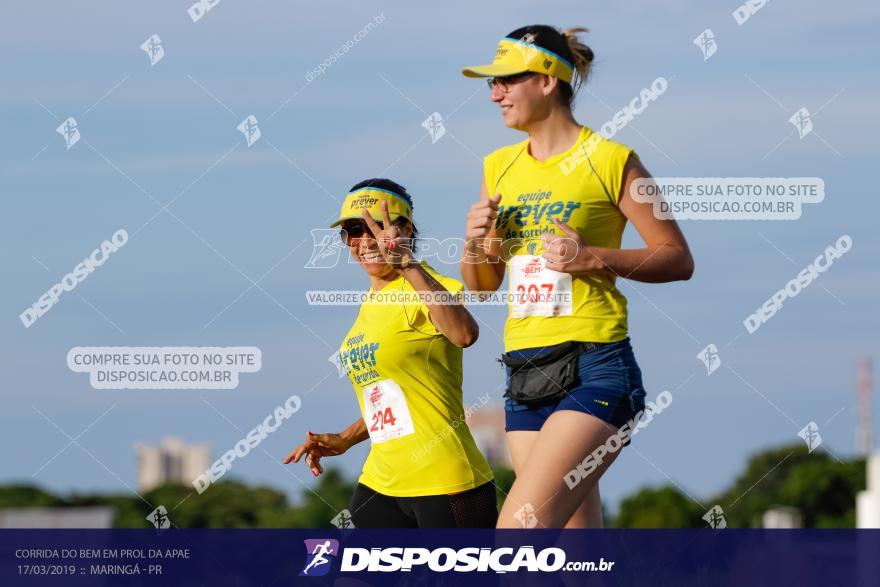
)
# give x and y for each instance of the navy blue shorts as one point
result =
(610, 388)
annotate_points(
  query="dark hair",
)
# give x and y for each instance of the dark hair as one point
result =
(565, 44)
(392, 186)
(582, 60)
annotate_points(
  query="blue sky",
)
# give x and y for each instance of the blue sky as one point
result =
(244, 213)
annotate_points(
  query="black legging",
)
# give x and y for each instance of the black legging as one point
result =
(474, 508)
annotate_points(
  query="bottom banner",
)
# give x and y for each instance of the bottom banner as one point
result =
(440, 557)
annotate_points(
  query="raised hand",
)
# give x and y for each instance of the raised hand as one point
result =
(395, 249)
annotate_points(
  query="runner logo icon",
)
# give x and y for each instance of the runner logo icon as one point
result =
(319, 553)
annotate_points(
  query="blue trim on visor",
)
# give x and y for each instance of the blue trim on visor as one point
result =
(562, 59)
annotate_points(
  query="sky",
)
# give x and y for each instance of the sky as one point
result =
(220, 231)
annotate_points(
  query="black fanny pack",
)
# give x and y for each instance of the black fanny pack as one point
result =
(547, 376)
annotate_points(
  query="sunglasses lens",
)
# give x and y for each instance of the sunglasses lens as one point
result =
(357, 230)
(347, 234)
(354, 231)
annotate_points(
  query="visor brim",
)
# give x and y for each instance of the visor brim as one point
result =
(492, 70)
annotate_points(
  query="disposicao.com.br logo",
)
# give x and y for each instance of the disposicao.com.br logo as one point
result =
(321, 552)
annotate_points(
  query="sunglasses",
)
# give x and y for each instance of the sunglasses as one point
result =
(352, 231)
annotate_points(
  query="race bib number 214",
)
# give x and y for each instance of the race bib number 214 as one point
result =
(385, 411)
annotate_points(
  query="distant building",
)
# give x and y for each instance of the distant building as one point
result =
(782, 517)
(487, 428)
(173, 461)
(68, 517)
(868, 501)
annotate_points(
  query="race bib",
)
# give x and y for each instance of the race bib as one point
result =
(538, 291)
(385, 411)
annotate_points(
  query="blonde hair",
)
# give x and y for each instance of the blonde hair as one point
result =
(583, 61)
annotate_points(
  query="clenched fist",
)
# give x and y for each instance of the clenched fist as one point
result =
(480, 222)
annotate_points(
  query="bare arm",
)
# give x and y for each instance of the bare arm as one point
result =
(327, 445)
(453, 321)
(666, 256)
(356, 433)
(481, 266)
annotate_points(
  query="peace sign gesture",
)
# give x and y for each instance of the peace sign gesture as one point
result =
(395, 249)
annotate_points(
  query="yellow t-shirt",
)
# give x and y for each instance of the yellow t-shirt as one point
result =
(407, 378)
(549, 307)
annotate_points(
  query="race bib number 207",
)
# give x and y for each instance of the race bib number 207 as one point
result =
(385, 411)
(536, 290)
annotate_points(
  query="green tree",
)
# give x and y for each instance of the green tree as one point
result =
(822, 488)
(319, 507)
(226, 504)
(662, 507)
(27, 496)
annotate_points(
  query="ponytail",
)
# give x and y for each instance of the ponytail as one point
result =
(583, 60)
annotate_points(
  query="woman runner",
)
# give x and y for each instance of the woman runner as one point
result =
(551, 213)
(404, 358)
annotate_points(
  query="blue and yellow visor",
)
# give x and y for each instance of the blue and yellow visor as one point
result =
(519, 56)
(370, 199)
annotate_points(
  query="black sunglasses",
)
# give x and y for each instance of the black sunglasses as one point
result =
(359, 229)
